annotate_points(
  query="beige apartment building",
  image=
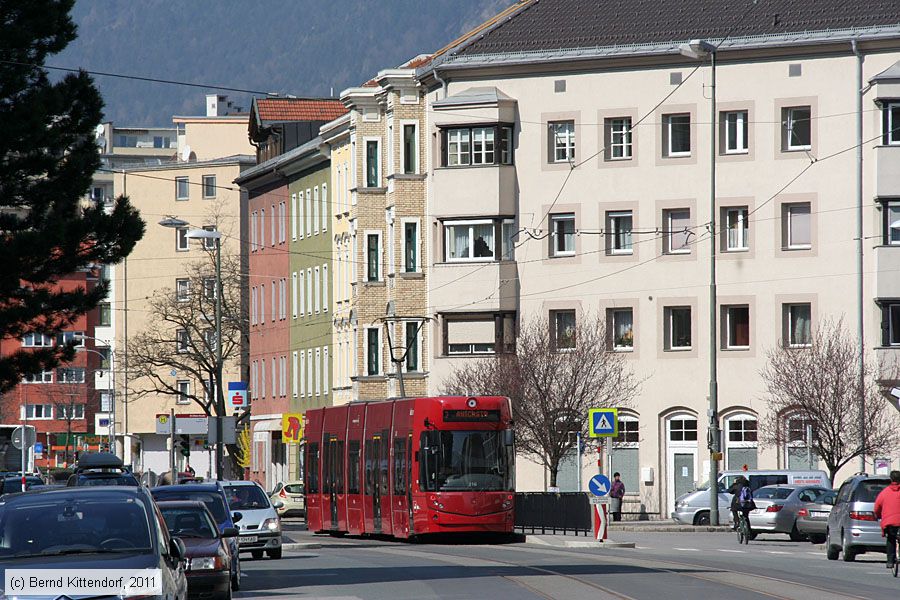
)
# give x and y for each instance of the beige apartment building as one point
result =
(573, 178)
(195, 187)
(384, 218)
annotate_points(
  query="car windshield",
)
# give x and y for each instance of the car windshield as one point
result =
(773, 493)
(294, 488)
(110, 480)
(245, 497)
(13, 485)
(824, 498)
(189, 522)
(868, 490)
(65, 525)
(466, 461)
(213, 502)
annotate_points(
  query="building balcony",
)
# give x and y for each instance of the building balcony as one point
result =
(475, 191)
(887, 171)
(474, 286)
(887, 267)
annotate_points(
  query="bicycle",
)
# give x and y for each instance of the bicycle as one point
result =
(743, 528)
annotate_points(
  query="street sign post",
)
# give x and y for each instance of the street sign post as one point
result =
(24, 437)
(603, 422)
(229, 431)
(185, 424)
(291, 427)
(599, 485)
(238, 399)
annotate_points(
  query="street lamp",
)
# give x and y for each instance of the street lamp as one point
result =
(203, 234)
(112, 376)
(699, 50)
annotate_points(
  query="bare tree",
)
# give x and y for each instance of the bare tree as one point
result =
(552, 378)
(68, 397)
(182, 335)
(816, 388)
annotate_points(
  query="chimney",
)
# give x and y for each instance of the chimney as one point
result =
(217, 105)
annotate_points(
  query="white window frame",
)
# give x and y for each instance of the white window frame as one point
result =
(418, 266)
(42, 377)
(273, 234)
(318, 372)
(283, 298)
(403, 124)
(612, 313)
(325, 377)
(295, 383)
(741, 213)
(789, 324)
(309, 291)
(380, 368)
(182, 341)
(563, 143)
(554, 236)
(184, 391)
(726, 322)
(294, 291)
(380, 274)
(262, 378)
(274, 302)
(669, 324)
(262, 229)
(326, 213)
(789, 214)
(309, 373)
(282, 222)
(74, 370)
(254, 379)
(302, 374)
(182, 243)
(378, 166)
(315, 211)
(187, 187)
(892, 133)
(301, 311)
(686, 249)
(206, 182)
(325, 288)
(262, 304)
(470, 224)
(283, 376)
(484, 136)
(186, 288)
(668, 124)
(740, 143)
(253, 217)
(30, 340)
(420, 326)
(614, 219)
(254, 301)
(462, 138)
(307, 217)
(789, 128)
(389, 250)
(316, 296)
(46, 412)
(294, 217)
(620, 126)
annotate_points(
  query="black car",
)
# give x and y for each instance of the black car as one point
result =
(210, 563)
(13, 485)
(212, 495)
(90, 528)
(101, 468)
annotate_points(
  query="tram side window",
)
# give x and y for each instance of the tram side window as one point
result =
(327, 474)
(428, 463)
(370, 468)
(385, 463)
(339, 468)
(353, 468)
(312, 468)
(399, 466)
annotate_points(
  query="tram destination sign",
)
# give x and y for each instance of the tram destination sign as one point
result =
(470, 415)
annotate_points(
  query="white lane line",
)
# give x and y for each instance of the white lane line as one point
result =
(643, 548)
(777, 552)
(733, 551)
(686, 549)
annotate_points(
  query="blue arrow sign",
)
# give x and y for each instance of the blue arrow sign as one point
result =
(38, 448)
(599, 485)
(604, 422)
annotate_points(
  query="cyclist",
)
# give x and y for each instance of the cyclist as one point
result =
(887, 508)
(735, 491)
(742, 502)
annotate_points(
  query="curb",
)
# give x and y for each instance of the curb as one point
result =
(530, 539)
(300, 546)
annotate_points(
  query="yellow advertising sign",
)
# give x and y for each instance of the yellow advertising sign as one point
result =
(291, 428)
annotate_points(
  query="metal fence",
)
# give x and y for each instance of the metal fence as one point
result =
(544, 512)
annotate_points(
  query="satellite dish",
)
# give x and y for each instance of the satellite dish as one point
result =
(186, 153)
(99, 130)
(173, 373)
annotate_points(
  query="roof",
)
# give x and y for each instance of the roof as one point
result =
(212, 486)
(298, 109)
(194, 164)
(278, 161)
(892, 73)
(537, 25)
(476, 95)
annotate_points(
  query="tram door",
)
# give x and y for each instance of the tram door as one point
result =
(334, 483)
(400, 500)
(373, 481)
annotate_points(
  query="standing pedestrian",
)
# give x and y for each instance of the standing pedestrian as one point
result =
(617, 492)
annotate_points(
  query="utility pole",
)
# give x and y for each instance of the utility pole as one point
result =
(172, 478)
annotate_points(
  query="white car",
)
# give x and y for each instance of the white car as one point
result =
(255, 517)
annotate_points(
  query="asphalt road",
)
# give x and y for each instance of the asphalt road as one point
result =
(663, 565)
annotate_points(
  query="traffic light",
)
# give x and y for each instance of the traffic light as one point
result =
(184, 445)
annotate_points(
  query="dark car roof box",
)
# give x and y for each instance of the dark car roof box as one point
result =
(99, 460)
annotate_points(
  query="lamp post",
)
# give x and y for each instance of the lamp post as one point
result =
(112, 376)
(699, 50)
(203, 234)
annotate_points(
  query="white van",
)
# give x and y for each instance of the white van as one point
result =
(693, 508)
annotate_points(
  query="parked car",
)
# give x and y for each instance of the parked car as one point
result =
(92, 528)
(12, 485)
(853, 528)
(812, 519)
(101, 468)
(260, 526)
(693, 508)
(212, 495)
(210, 564)
(290, 494)
(777, 507)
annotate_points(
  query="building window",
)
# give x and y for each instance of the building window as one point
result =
(411, 246)
(741, 442)
(412, 345)
(471, 240)
(796, 128)
(373, 351)
(677, 135)
(42, 377)
(891, 220)
(66, 412)
(74, 338)
(182, 340)
(410, 143)
(683, 430)
(735, 125)
(209, 291)
(373, 254)
(619, 136)
(70, 375)
(737, 326)
(209, 186)
(373, 178)
(562, 323)
(182, 188)
(184, 391)
(37, 411)
(458, 147)
(891, 121)
(209, 243)
(737, 229)
(622, 328)
(619, 225)
(470, 336)
(182, 290)
(562, 146)
(797, 325)
(677, 231)
(797, 228)
(477, 146)
(483, 146)
(326, 212)
(801, 433)
(182, 243)
(506, 152)
(890, 324)
(37, 340)
(316, 209)
(104, 314)
(562, 238)
(678, 328)
(106, 402)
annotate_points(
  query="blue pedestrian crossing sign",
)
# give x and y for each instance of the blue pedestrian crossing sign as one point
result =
(604, 422)
(599, 485)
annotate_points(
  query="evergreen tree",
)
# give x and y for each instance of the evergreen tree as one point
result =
(47, 159)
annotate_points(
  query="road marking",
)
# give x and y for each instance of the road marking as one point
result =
(643, 548)
(735, 551)
(815, 553)
(777, 552)
(686, 549)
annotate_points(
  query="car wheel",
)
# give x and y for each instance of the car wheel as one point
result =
(816, 538)
(236, 578)
(702, 518)
(848, 551)
(276, 554)
(795, 534)
(226, 595)
(257, 554)
(831, 551)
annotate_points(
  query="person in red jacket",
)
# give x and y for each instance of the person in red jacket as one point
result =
(887, 508)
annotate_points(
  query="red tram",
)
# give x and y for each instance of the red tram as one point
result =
(410, 467)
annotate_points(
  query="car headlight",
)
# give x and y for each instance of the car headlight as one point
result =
(203, 563)
(271, 524)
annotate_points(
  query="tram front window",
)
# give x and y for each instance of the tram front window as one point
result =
(474, 461)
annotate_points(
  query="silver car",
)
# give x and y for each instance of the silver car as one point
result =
(259, 524)
(853, 528)
(812, 519)
(777, 507)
